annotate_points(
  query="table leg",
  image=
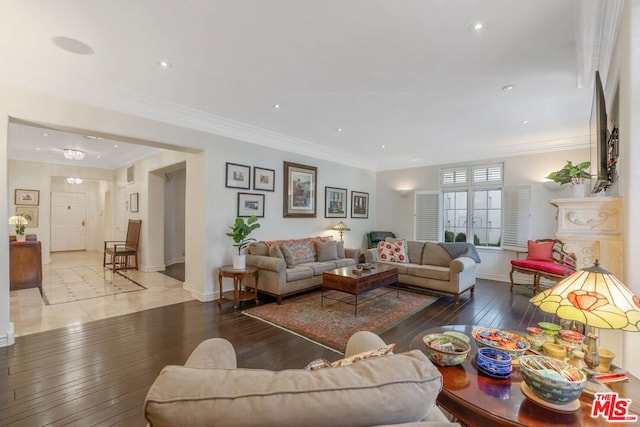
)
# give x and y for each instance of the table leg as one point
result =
(356, 309)
(220, 284)
(236, 292)
(255, 289)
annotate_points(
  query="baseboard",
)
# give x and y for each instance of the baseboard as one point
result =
(152, 268)
(9, 338)
(173, 261)
(199, 295)
(497, 278)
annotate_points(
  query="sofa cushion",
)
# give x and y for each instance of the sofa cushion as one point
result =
(430, 272)
(320, 267)
(393, 251)
(386, 390)
(275, 252)
(344, 262)
(350, 360)
(299, 273)
(288, 256)
(258, 248)
(434, 254)
(541, 251)
(327, 251)
(544, 266)
(414, 250)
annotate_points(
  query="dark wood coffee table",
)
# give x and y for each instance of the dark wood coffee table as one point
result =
(478, 400)
(345, 280)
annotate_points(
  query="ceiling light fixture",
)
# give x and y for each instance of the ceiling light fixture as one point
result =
(115, 145)
(477, 26)
(524, 122)
(74, 180)
(72, 45)
(165, 64)
(93, 137)
(383, 147)
(45, 134)
(339, 129)
(508, 88)
(276, 106)
(73, 154)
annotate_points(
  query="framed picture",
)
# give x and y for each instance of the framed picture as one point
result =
(238, 176)
(359, 204)
(335, 202)
(264, 179)
(250, 205)
(133, 202)
(299, 198)
(27, 197)
(30, 214)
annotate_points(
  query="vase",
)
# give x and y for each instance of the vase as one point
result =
(21, 237)
(239, 262)
(580, 190)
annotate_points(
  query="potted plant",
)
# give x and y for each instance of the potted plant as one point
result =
(576, 175)
(19, 221)
(239, 233)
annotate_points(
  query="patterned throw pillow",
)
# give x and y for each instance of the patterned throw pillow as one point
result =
(393, 251)
(324, 363)
(541, 251)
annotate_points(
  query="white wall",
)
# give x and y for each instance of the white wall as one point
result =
(395, 209)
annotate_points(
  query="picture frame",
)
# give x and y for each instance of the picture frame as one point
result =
(300, 188)
(359, 204)
(27, 197)
(250, 204)
(335, 202)
(133, 202)
(238, 176)
(264, 179)
(30, 213)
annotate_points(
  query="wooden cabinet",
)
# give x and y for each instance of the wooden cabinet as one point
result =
(25, 265)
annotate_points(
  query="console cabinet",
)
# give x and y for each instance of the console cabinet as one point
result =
(25, 265)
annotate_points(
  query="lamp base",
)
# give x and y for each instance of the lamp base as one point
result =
(591, 357)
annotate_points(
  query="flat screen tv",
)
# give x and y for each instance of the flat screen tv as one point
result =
(599, 135)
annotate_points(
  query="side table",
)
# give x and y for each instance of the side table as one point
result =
(238, 294)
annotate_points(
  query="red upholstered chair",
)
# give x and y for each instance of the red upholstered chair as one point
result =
(545, 258)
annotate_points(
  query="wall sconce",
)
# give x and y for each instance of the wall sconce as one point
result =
(404, 192)
(74, 180)
(73, 154)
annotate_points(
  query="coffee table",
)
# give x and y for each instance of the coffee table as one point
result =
(478, 400)
(345, 280)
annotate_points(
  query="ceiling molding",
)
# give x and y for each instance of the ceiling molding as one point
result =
(597, 24)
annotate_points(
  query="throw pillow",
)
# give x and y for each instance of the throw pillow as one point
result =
(540, 251)
(324, 363)
(395, 251)
(288, 256)
(340, 250)
(275, 252)
(327, 251)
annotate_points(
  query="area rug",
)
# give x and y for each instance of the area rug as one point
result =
(332, 325)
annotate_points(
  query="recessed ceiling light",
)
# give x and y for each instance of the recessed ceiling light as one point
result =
(414, 160)
(45, 134)
(339, 129)
(276, 106)
(383, 147)
(38, 149)
(524, 122)
(115, 145)
(99, 156)
(93, 137)
(508, 88)
(165, 64)
(72, 45)
(477, 26)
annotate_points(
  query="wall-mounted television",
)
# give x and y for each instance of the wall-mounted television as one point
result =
(599, 135)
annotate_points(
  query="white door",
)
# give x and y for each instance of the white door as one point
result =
(122, 207)
(68, 221)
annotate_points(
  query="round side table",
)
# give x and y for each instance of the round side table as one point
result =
(237, 294)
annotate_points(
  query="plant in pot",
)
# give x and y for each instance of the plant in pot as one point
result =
(576, 175)
(19, 221)
(239, 233)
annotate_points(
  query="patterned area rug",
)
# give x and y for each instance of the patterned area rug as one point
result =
(333, 324)
(79, 283)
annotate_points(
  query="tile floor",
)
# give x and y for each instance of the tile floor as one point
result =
(29, 313)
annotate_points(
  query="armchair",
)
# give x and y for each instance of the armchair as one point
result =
(545, 258)
(120, 251)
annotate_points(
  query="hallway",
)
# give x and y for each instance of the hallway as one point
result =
(30, 314)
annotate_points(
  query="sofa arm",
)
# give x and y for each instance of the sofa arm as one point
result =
(353, 253)
(460, 264)
(214, 353)
(267, 263)
(371, 255)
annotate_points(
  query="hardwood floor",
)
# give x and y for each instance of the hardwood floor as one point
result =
(98, 373)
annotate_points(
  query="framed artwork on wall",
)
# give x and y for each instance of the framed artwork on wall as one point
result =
(30, 214)
(238, 176)
(133, 202)
(335, 202)
(27, 197)
(359, 204)
(264, 179)
(300, 184)
(250, 205)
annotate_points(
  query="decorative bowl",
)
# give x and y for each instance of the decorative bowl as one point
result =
(552, 380)
(446, 350)
(555, 351)
(571, 337)
(494, 363)
(549, 328)
(534, 332)
(511, 343)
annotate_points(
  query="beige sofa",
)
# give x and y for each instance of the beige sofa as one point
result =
(209, 390)
(443, 267)
(281, 276)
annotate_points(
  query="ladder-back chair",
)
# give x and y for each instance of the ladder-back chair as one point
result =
(121, 251)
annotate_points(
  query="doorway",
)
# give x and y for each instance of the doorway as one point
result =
(68, 220)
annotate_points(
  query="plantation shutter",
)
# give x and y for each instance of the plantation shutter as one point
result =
(517, 217)
(427, 214)
(454, 176)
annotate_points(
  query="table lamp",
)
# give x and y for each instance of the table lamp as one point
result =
(341, 227)
(596, 298)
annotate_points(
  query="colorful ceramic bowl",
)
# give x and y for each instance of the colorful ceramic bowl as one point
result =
(534, 332)
(446, 350)
(549, 328)
(552, 380)
(494, 363)
(555, 351)
(509, 342)
(572, 337)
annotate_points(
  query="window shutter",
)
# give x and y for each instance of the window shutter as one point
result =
(487, 174)
(517, 217)
(427, 214)
(453, 176)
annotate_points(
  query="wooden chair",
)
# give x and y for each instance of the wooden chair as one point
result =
(561, 265)
(121, 251)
